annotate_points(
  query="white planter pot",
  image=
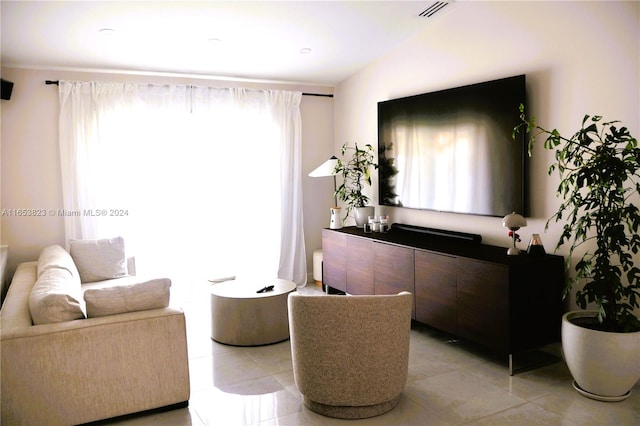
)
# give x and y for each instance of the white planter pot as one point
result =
(605, 366)
(362, 214)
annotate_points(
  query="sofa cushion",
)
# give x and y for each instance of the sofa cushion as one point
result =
(99, 260)
(56, 257)
(118, 299)
(56, 297)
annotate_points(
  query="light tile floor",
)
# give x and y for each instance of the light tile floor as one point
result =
(450, 383)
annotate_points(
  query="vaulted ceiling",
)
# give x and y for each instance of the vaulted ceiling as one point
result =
(316, 42)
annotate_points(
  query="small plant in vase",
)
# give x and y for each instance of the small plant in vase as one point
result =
(356, 173)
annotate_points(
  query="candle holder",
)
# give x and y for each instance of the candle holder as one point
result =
(535, 246)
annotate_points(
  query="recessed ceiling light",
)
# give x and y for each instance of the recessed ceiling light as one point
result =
(213, 40)
(305, 50)
(107, 31)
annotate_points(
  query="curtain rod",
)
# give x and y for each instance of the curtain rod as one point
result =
(323, 95)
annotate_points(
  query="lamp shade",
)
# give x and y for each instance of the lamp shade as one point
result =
(325, 169)
(514, 221)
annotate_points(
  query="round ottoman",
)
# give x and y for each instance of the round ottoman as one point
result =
(242, 317)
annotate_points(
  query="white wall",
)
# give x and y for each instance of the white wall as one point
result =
(317, 125)
(31, 168)
(30, 165)
(579, 58)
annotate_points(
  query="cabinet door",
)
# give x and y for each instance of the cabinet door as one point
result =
(393, 269)
(483, 303)
(359, 266)
(535, 306)
(436, 303)
(334, 259)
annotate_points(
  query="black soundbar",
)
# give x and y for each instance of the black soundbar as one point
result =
(441, 233)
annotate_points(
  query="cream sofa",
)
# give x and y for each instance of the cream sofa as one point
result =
(67, 372)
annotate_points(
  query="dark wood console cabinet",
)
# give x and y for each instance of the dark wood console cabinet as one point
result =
(509, 304)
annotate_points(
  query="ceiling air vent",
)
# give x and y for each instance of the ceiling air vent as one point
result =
(434, 8)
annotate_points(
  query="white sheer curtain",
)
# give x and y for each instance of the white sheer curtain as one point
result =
(198, 180)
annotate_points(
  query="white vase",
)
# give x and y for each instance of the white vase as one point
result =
(604, 365)
(362, 214)
(336, 218)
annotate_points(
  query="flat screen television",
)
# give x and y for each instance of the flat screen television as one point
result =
(452, 150)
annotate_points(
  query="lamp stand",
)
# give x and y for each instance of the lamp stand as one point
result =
(514, 251)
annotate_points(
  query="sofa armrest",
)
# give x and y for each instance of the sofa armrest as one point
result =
(96, 368)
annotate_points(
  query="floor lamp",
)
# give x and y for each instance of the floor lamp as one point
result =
(328, 169)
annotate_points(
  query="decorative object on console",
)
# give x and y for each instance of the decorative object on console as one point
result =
(355, 173)
(514, 222)
(368, 225)
(328, 168)
(535, 246)
(384, 223)
(373, 222)
(599, 172)
(336, 218)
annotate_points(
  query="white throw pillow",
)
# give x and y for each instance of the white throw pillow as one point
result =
(56, 297)
(99, 260)
(150, 294)
(56, 257)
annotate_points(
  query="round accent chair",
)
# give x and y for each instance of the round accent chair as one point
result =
(350, 353)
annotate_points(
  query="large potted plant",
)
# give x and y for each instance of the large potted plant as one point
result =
(356, 172)
(599, 171)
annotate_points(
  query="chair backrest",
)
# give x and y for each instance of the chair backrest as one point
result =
(350, 350)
